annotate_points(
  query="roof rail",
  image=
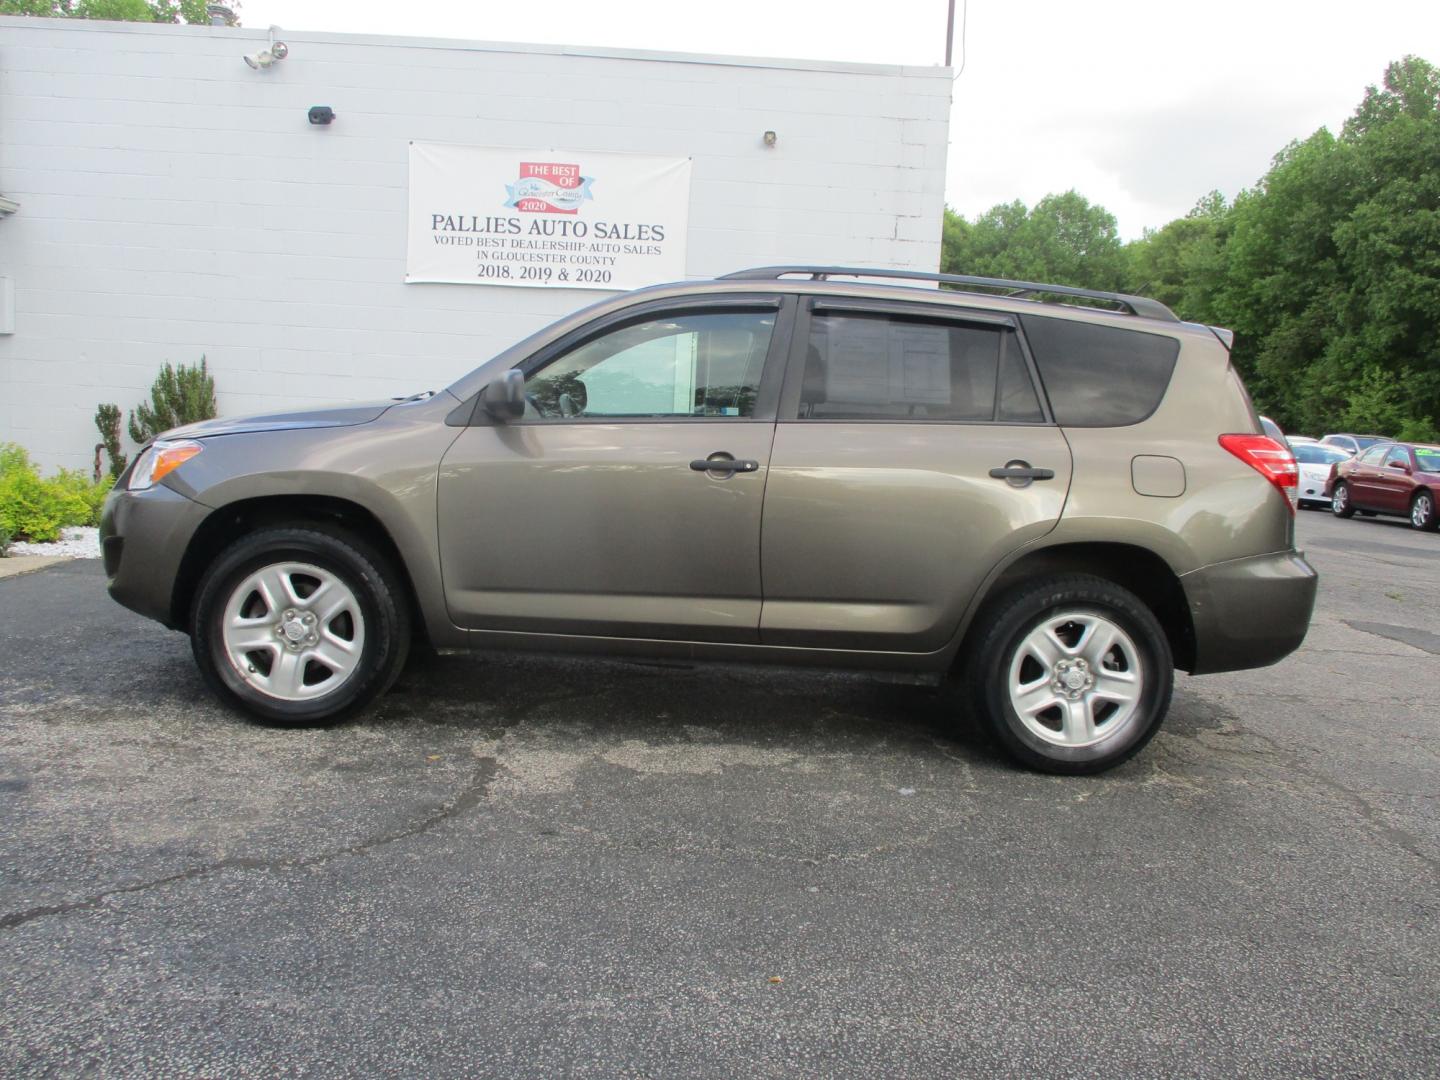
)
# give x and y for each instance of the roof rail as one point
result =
(1140, 306)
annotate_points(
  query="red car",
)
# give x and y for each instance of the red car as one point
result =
(1389, 478)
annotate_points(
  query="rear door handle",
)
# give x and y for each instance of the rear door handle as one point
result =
(726, 465)
(1014, 473)
(1020, 471)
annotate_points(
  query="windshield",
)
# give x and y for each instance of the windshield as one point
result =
(1428, 458)
(1314, 454)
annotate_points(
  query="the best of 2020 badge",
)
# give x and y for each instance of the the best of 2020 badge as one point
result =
(548, 187)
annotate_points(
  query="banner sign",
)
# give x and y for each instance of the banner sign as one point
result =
(563, 219)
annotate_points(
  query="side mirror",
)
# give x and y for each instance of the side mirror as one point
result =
(504, 399)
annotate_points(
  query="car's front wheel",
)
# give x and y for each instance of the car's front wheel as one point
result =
(1422, 511)
(300, 625)
(1074, 674)
(1340, 502)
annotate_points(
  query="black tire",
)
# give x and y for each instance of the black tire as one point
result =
(1340, 501)
(1021, 611)
(1424, 514)
(377, 590)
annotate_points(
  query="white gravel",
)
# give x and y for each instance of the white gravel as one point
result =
(79, 543)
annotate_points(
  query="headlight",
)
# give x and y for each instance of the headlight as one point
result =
(161, 459)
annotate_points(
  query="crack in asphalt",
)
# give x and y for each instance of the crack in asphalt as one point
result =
(1406, 635)
(1371, 815)
(469, 797)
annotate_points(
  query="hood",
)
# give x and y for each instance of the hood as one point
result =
(336, 416)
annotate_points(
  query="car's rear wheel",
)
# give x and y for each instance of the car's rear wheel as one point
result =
(1340, 502)
(1422, 511)
(1074, 674)
(300, 625)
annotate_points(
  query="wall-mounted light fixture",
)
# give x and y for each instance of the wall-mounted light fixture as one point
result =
(274, 52)
(321, 114)
(770, 138)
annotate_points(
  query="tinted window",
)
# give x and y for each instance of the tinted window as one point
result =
(1018, 400)
(1374, 455)
(1314, 454)
(1100, 376)
(879, 367)
(687, 365)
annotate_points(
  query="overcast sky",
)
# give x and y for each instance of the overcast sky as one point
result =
(1142, 107)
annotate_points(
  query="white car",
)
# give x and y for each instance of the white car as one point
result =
(1315, 460)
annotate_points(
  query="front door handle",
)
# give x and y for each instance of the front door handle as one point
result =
(1019, 473)
(725, 464)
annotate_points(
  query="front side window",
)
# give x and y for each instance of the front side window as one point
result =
(897, 368)
(1398, 456)
(691, 365)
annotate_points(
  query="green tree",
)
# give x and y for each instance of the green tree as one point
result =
(1063, 240)
(161, 11)
(1328, 269)
(1333, 268)
(1183, 264)
(180, 395)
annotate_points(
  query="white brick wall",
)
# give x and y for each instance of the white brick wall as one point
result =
(174, 202)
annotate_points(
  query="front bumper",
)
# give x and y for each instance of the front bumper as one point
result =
(143, 537)
(1248, 613)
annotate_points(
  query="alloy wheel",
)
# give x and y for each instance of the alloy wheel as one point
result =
(294, 631)
(1076, 678)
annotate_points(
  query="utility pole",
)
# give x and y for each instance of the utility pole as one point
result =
(949, 33)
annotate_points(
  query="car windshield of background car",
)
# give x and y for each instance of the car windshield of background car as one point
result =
(1315, 454)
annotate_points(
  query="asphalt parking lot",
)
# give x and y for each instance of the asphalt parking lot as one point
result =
(558, 868)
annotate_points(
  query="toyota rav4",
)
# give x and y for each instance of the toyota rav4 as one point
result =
(1055, 496)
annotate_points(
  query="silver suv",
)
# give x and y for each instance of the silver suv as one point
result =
(1057, 496)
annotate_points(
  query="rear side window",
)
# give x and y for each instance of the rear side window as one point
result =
(1374, 455)
(882, 367)
(1100, 376)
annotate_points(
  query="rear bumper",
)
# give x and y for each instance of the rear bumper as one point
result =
(143, 537)
(1248, 613)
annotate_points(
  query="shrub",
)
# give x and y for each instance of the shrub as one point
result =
(5, 542)
(181, 395)
(107, 421)
(36, 509)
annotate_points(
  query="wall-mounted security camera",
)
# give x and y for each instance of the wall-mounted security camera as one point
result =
(321, 114)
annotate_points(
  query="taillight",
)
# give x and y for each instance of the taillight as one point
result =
(1271, 460)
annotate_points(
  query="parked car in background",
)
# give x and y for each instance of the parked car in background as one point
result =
(1353, 444)
(1296, 440)
(1058, 504)
(1316, 463)
(1390, 478)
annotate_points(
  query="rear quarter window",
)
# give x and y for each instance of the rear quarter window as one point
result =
(1100, 376)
